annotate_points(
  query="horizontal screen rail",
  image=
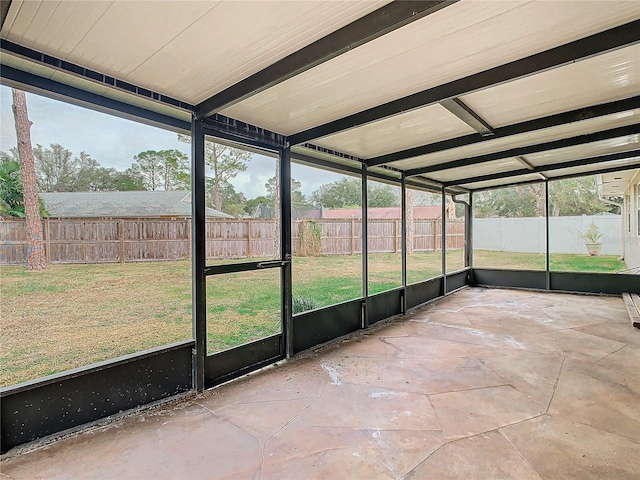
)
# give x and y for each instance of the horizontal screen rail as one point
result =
(244, 266)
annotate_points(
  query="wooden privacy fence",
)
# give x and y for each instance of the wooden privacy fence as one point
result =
(154, 239)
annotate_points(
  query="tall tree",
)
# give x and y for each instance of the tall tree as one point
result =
(36, 259)
(232, 202)
(56, 168)
(128, 180)
(410, 199)
(225, 162)
(297, 197)
(576, 196)
(347, 193)
(382, 195)
(276, 212)
(59, 171)
(567, 197)
(343, 193)
(162, 169)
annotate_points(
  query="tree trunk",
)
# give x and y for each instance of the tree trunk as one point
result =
(216, 186)
(539, 198)
(276, 213)
(410, 224)
(451, 210)
(36, 259)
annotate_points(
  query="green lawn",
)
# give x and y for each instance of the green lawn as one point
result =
(558, 262)
(73, 315)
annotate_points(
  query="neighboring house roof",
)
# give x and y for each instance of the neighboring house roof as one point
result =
(173, 203)
(433, 211)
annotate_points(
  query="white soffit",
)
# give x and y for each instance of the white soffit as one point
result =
(487, 168)
(612, 76)
(589, 169)
(616, 183)
(418, 127)
(595, 149)
(459, 40)
(569, 130)
(532, 177)
(189, 50)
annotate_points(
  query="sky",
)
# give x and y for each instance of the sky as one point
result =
(114, 141)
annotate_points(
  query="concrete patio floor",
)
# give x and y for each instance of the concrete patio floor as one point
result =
(482, 384)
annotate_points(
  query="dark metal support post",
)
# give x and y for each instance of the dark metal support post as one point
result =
(469, 232)
(403, 221)
(467, 228)
(198, 255)
(286, 249)
(546, 217)
(365, 248)
(443, 240)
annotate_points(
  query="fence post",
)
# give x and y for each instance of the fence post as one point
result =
(353, 236)
(48, 239)
(395, 236)
(189, 238)
(249, 240)
(121, 231)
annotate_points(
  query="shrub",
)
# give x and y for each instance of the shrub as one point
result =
(302, 304)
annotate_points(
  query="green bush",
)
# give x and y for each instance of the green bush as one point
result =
(302, 304)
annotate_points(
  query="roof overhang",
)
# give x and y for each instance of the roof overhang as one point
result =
(459, 94)
(617, 184)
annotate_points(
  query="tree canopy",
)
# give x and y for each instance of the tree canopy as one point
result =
(347, 193)
(225, 163)
(567, 197)
(162, 169)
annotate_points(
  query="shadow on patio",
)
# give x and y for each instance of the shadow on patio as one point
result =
(482, 384)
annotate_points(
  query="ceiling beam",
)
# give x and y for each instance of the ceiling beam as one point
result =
(530, 167)
(540, 147)
(377, 23)
(78, 71)
(526, 164)
(615, 38)
(461, 110)
(30, 82)
(601, 171)
(547, 168)
(558, 119)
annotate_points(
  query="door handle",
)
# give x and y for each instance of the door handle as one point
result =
(273, 263)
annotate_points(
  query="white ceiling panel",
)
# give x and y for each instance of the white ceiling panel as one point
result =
(185, 49)
(595, 149)
(462, 39)
(499, 182)
(425, 125)
(588, 169)
(617, 183)
(92, 87)
(487, 168)
(584, 127)
(612, 76)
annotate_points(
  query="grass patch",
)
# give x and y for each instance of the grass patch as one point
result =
(73, 315)
(558, 262)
